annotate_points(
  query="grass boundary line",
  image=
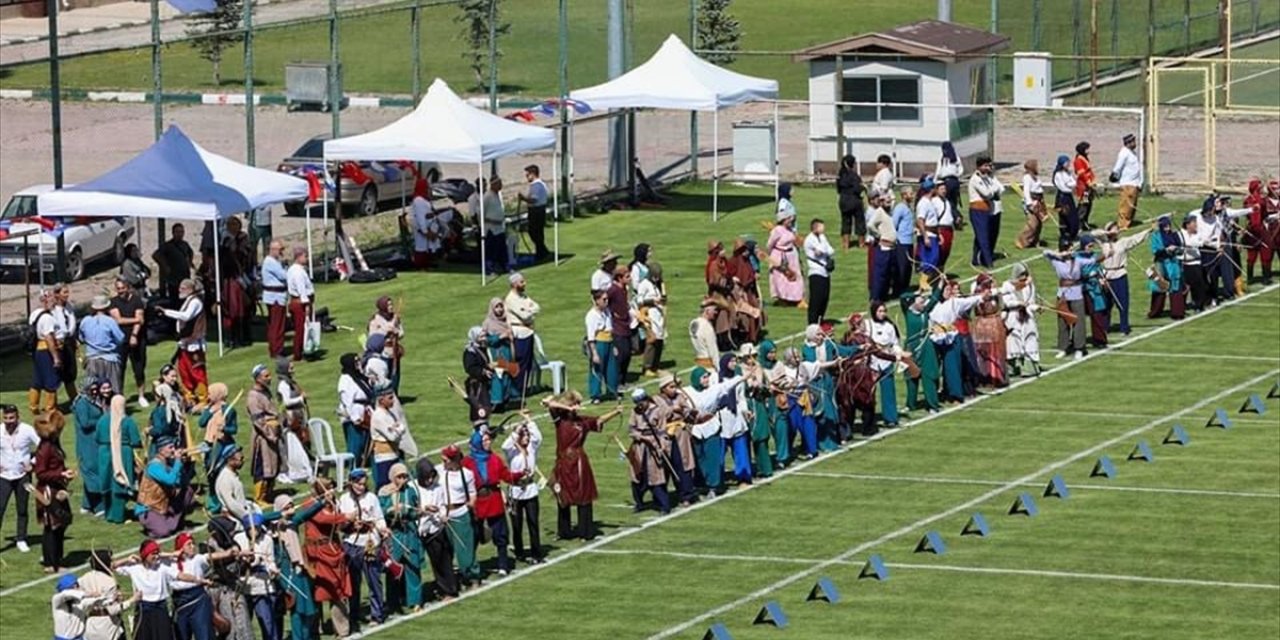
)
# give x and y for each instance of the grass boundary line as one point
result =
(1084, 485)
(909, 528)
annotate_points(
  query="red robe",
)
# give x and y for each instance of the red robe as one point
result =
(489, 503)
(1084, 175)
(50, 464)
(573, 469)
(322, 534)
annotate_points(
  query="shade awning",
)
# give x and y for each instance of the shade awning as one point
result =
(676, 78)
(443, 128)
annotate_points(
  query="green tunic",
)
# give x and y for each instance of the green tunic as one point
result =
(406, 546)
(117, 494)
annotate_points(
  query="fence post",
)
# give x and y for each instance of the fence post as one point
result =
(157, 103)
(55, 115)
(415, 33)
(1151, 28)
(838, 80)
(1093, 52)
(1224, 28)
(493, 70)
(1115, 35)
(1076, 48)
(1035, 25)
(249, 144)
(1186, 27)
(335, 92)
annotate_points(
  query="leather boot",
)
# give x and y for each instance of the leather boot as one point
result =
(33, 400)
(262, 493)
(50, 401)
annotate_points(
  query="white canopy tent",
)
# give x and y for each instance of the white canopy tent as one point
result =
(177, 178)
(444, 128)
(676, 78)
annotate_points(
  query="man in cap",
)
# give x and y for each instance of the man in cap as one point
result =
(103, 341)
(459, 484)
(681, 414)
(302, 297)
(267, 436)
(42, 395)
(1127, 173)
(190, 318)
(648, 457)
(1115, 259)
(361, 544)
(227, 497)
(275, 296)
(1022, 338)
(163, 498)
(1069, 267)
(602, 277)
(706, 348)
(522, 311)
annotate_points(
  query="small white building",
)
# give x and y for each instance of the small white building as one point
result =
(931, 64)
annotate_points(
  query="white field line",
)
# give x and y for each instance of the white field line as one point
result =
(960, 508)
(1224, 84)
(955, 568)
(1089, 486)
(1089, 576)
(1261, 305)
(618, 535)
(1196, 356)
(1073, 413)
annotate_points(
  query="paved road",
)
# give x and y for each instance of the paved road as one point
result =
(138, 35)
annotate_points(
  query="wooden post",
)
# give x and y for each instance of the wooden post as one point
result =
(1093, 52)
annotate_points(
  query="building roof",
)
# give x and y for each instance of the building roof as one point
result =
(931, 39)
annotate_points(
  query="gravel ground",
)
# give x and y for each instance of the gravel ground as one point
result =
(100, 136)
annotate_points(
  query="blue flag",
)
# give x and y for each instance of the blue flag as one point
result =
(194, 6)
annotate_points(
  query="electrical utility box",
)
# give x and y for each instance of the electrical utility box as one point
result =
(1032, 79)
(754, 150)
(306, 85)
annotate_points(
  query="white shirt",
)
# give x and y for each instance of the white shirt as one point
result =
(598, 320)
(884, 335)
(1031, 186)
(1064, 181)
(263, 565)
(985, 187)
(105, 624)
(1128, 168)
(883, 181)
(537, 193)
(384, 427)
(495, 218)
(459, 488)
(706, 401)
(947, 312)
(66, 321)
(422, 225)
(230, 492)
(287, 399)
(300, 284)
(367, 509)
(525, 460)
(352, 401)
(948, 169)
(946, 213)
(16, 451)
(733, 423)
(46, 322)
(600, 280)
(521, 312)
(196, 566)
(927, 212)
(191, 309)
(70, 610)
(1190, 247)
(817, 250)
(154, 584)
(703, 337)
(648, 293)
(432, 496)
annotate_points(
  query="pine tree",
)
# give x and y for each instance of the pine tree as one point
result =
(474, 18)
(718, 31)
(214, 32)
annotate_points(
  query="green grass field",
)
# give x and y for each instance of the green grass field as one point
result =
(1183, 547)
(1252, 84)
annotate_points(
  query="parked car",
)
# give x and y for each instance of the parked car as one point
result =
(387, 183)
(86, 240)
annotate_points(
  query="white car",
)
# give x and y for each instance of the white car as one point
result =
(86, 239)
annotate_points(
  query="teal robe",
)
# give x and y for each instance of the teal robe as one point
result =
(86, 415)
(405, 546)
(114, 493)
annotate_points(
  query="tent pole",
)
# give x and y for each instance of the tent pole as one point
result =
(715, 167)
(555, 205)
(484, 234)
(324, 203)
(572, 195)
(217, 277)
(777, 155)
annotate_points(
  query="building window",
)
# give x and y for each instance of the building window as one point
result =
(899, 90)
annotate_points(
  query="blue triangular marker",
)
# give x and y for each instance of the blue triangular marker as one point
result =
(1057, 488)
(1253, 404)
(1103, 468)
(976, 526)
(931, 543)
(1024, 505)
(824, 589)
(771, 613)
(717, 632)
(1219, 419)
(1142, 451)
(874, 568)
(1274, 392)
(1177, 435)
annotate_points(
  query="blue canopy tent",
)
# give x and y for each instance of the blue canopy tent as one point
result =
(176, 178)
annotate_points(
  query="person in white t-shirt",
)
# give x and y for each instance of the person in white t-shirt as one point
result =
(820, 257)
(18, 442)
(366, 532)
(152, 585)
(433, 503)
(521, 450)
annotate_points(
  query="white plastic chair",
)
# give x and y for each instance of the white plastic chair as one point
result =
(326, 452)
(559, 374)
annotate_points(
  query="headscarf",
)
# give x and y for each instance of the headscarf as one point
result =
(389, 489)
(695, 378)
(1083, 149)
(288, 535)
(726, 369)
(949, 151)
(784, 191)
(117, 440)
(217, 391)
(766, 347)
(640, 254)
(384, 307)
(1019, 270)
(375, 343)
(493, 325)
(473, 337)
(426, 469)
(351, 367)
(1062, 162)
(1169, 235)
(480, 456)
(421, 189)
(812, 333)
(655, 272)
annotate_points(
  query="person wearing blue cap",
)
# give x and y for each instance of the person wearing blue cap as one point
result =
(1064, 184)
(361, 544)
(163, 498)
(71, 607)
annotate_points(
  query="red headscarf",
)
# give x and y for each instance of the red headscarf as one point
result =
(421, 189)
(148, 549)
